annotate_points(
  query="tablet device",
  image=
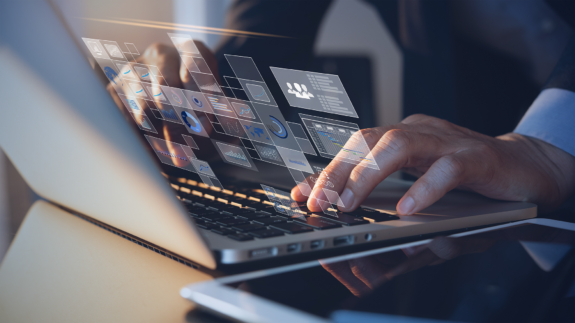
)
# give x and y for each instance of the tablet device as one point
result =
(517, 272)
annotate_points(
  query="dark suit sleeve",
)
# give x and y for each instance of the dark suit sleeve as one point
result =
(551, 117)
(297, 21)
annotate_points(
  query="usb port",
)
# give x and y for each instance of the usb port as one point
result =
(293, 248)
(316, 244)
(343, 241)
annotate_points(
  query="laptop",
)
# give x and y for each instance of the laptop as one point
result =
(74, 147)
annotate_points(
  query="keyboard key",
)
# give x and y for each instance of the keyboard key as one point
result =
(268, 220)
(223, 231)
(217, 217)
(291, 227)
(380, 217)
(318, 223)
(205, 212)
(343, 218)
(262, 234)
(250, 203)
(253, 216)
(240, 237)
(248, 227)
(206, 225)
(231, 222)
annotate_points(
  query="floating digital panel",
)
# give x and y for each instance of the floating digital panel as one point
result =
(258, 92)
(198, 101)
(244, 67)
(243, 109)
(331, 139)
(276, 125)
(191, 121)
(269, 153)
(314, 91)
(202, 167)
(295, 159)
(170, 153)
(232, 127)
(191, 142)
(132, 104)
(113, 49)
(184, 44)
(155, 92)
(256, 131)
(301, 181)
(220, 105)
(169, 113)
(175, 96)
(306, 146)
(207, 83)
(113, 74)
(138, 89)
(126, 71)
(96, 48)
(235, 155)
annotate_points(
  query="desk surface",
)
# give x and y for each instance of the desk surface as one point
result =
(61, 268)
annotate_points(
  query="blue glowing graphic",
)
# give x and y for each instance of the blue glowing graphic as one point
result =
(197, 102)
(256, 131)
(133, 104)
(197, 127)
(170, 115)
(111, 74)
(282, 132)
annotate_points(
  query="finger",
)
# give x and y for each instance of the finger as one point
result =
(167, 60)
(342, 272)
(397, 148)
(339, 169)
(444, 175)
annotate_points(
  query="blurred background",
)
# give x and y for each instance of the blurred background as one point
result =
(345, 47)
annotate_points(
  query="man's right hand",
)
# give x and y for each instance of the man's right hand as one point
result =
(510, 167)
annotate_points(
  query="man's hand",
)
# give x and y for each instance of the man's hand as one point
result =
(445, 156)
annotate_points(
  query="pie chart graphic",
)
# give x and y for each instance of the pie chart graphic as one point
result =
(177, 98)
(189, 119)
(281, 132)
(197, 102)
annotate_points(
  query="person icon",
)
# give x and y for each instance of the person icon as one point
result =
(291, 90)
(300, 91)
(305, 92)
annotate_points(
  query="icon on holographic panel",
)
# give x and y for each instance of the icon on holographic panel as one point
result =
(277, 128)
(177, 98)
(112, 75)
(138, 90)
(114, 50)
(300, 91)
(258, 92)
(243, 110)
(191, 122)
(144, 73)
(133, 104)
(197, 102)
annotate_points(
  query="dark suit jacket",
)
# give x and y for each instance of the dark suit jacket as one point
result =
(444, 75)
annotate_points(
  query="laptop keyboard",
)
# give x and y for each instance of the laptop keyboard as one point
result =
(246, 214)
